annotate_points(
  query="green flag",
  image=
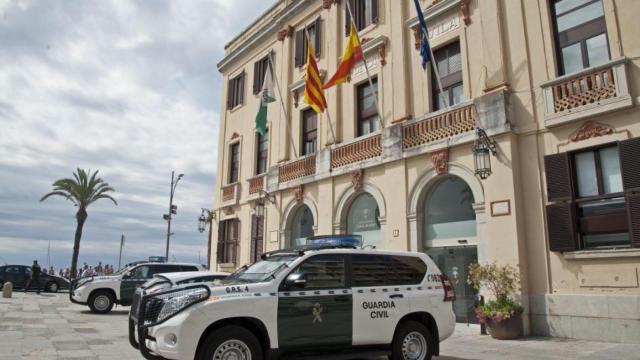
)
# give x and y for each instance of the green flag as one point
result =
(267, 96)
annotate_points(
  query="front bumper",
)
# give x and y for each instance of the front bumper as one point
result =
(76, 296)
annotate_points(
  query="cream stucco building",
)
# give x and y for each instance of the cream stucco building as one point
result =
(556, 85)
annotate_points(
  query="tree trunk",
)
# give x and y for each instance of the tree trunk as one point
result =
(81, 217)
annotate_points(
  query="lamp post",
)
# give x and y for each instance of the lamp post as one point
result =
(483, 148)
(205, 219)
(173, 209)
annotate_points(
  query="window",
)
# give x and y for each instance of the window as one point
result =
(368, 120)
(309, 131)
(301, 226)
(365, 13)
(257, 237)
(262, 153)
(601, 204)
(188, 268)
(313, 29)
(260, 69)
(581, 34)
(362, 219)
(228, 241)
(234, 163)
(141, 272)
(235, 91)
(387, 270)
(160, 269)
(323, 272)
(448, 211)
(449, 62)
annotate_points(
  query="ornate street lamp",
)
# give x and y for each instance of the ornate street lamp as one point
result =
(205, 219)
(483, 148)
(260, 202)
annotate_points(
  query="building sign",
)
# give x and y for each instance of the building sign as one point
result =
(373, 62)
(443, 27)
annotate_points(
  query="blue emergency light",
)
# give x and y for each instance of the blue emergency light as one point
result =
(336, 240)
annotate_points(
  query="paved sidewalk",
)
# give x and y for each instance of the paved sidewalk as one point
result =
(48, 326)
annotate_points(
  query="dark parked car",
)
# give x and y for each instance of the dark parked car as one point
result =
(18, 275)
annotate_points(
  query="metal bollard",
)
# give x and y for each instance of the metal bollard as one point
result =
(7, 290)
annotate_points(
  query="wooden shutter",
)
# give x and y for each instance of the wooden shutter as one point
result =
(347, 18)
(633, 212)
(374, 11)
(257, 66)
(259, 237)
(254, 230)
(561, 226)
(559, 179)
(629, 151)
(241, 88)
(220, 243)
(229, 93)
(299, 48)
(318, 37)
(235, 240)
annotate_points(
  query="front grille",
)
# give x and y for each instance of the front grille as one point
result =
(135, 303)
(152, 309)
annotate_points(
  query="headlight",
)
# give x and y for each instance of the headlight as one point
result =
(83, 281)
(159, 308)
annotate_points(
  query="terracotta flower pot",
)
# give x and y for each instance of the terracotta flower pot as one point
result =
(506, 329)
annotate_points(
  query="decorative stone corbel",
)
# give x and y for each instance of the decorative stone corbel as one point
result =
(357, 179)
(416, 37)
(326, 4)
(464, 9)
(235, 135)
(298, 193)
(382, 51)
(440, 161)
(228, 211)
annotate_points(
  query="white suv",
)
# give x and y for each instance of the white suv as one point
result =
(322, 299)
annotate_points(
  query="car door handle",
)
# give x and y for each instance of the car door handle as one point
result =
(396, 296)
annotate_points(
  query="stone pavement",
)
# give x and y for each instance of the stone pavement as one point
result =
(48, 326)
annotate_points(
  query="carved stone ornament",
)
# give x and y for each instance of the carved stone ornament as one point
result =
(357, 179)
(440, 160)
(228, 211)
(286, 32)
(297, 192)
(235, 135)
(591, 129)
(382, 51)
(326, 4)
(464, 9)
(416, 37)
(296, 98)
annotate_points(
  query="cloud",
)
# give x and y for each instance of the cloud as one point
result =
(127, 88)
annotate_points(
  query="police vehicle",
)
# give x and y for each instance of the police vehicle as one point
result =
(101, 293)
(328, 299)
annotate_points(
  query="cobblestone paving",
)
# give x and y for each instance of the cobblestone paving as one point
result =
(48, 326)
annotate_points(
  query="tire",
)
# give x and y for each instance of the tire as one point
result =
(412, 341)
(231, 339)
(52, 287)
(101, 301)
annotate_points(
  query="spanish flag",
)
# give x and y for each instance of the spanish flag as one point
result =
(313, 91)
(352, 54)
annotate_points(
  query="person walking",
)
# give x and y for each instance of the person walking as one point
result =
(98, 269)
(51, 271)
(34, 277)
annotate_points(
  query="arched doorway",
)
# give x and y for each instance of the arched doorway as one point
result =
(301, 226)
(363, 219)
(449, 236)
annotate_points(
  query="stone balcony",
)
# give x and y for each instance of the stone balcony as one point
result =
(594, 91)
(230, 195)
(425, 134)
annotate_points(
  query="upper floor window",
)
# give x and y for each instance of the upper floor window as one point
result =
(301, 42)
(234, 163)
(227, 249)
(262, 153)
(235, 91)
(368, 120)
(365, 13)
(449, 62)
(309, 131)
(581, 34)
(260, 69)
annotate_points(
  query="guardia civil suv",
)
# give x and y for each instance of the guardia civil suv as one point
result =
(328, 299)
(101, 293)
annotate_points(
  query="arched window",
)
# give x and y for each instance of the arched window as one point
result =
(301, 226)
(448, 211)
(362, 219)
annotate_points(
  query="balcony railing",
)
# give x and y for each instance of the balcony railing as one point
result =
(357, 151)
(440, 126)
(297, 169)
(592, 91)
(256, 184)
(228, 193)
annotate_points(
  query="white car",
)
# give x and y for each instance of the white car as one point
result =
(167, 280)
(324, 299)
(100, 293)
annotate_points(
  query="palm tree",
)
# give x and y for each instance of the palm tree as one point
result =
(83, 190)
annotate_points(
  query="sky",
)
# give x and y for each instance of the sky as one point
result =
(128, 88)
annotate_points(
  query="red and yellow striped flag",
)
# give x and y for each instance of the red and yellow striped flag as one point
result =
(352, 54)
(313, 91)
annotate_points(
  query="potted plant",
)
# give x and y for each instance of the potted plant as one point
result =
(501, 314)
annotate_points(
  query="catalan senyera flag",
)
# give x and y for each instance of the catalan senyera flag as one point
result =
(352, 54)
(313, 91)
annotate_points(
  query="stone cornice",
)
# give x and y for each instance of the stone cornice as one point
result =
(434, 11)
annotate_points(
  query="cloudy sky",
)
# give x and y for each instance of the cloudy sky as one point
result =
(129, 88)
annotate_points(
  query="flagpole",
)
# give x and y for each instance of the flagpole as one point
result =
(366, 67)
(286, 117)
(433, 62)
(333, 134)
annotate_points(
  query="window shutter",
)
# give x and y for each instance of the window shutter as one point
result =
(229, 93)
(235, 241)
(220, 250)
(318, 37)
(561, 226)
(259, 237)
(629, 151)
(256, 76)
(633, 211)
(374, 11)
(254, 230)
(558, 174)
(241, 91)
(299, 48)
(347, 18)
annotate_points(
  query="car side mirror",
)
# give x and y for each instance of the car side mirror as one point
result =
(295, 281)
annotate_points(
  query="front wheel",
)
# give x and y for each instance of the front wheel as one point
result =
(231, 342)
(101, 302)
(413, 341)
(52, 287)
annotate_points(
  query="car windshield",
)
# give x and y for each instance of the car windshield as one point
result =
(261, 270)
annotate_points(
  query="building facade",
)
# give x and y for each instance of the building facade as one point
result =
(554, 83)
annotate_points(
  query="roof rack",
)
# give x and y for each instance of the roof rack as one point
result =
(302, 249)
